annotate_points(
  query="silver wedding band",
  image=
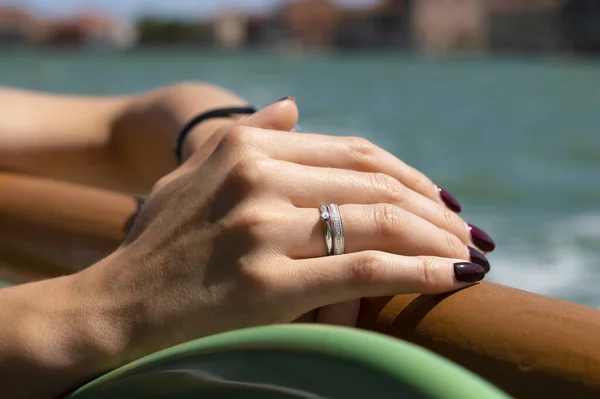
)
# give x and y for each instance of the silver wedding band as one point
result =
(334, 229)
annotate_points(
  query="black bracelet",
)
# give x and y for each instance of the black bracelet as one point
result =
(215, 113)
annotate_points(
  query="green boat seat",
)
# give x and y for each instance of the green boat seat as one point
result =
(291, 361)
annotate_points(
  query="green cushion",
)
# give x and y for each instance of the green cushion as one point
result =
(4, 284)
(291, 361)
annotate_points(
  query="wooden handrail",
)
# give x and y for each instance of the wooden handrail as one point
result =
(49, 228)
(527, 344)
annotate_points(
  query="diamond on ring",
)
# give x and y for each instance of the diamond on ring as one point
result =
(326, 219)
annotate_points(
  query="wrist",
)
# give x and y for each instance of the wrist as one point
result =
(83, 328)
(109, 308)
(120, 323)
(52, 337)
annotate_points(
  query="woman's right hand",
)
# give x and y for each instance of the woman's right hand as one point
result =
(236, 241)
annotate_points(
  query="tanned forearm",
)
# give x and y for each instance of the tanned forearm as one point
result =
(58, 334)
(44, 351)
(123, 142)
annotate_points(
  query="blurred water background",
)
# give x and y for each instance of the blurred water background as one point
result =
(517, 141)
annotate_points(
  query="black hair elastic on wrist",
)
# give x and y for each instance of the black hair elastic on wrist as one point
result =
(215, 113)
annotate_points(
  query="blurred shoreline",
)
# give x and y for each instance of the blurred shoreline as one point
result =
(531, 27)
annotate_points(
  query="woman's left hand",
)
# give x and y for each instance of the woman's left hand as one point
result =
(391, 179)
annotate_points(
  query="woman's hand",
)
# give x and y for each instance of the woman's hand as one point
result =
(399, 183)
(236, 241)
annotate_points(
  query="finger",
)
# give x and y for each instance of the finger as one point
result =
(280, 116)
(381, 227)
(335, 279)
(353, 153)
(341, 314)
(313, 186)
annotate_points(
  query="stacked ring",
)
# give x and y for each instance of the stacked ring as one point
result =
(334, 229)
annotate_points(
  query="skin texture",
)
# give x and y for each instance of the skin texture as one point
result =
(215, 248)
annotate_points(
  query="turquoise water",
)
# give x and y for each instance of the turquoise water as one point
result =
(516, 141)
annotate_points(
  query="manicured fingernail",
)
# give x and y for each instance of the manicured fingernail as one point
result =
(292, 98)
(481, 238)
(449, 200)
(479, 258)
(468, 272)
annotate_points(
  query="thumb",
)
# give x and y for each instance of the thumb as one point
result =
(281, 115)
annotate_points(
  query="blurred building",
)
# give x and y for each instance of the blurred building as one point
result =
(257, 32)
(306, 24)
(156, 31)
(441, 26)
(580, 25)
(431, 26)
(384, 24)
(324, 24)
(17, 26)
(231, 30)
(526, 26)
(90, 29)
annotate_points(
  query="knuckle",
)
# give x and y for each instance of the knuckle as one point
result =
(237, 137)
(248, 220)
(257, 278)
(428, 274)
(390, 189)
(364, 151)
(257, 286)
(447, 218)
(389, 220)
(422, 184)
(251, 172)
(252, 225)
(367, 267)
(453, 223)
(160, 183)
(247, 227)
(453, 244)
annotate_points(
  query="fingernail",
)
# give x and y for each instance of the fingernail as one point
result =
(479, 258)
(468, 272)
(481, 239)
(449, 200)
(292, 98)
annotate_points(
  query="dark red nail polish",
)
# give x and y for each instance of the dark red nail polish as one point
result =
(479, 258)
(449, 200)
(481, 239)
(286, 98)
(468, 272)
